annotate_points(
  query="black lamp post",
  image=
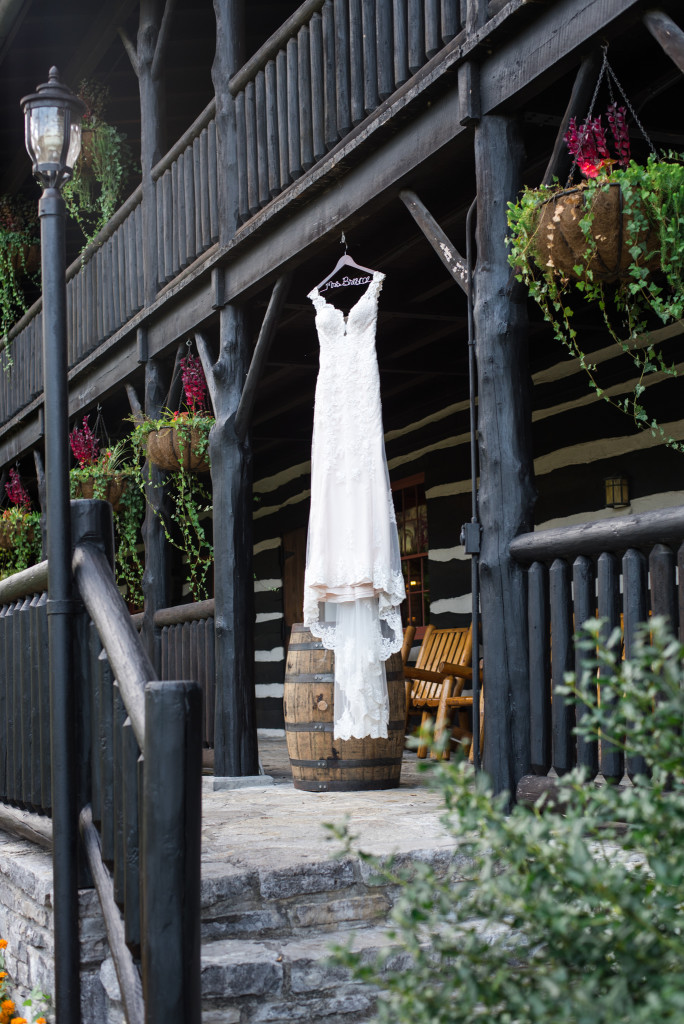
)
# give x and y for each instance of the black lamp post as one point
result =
(53, 139)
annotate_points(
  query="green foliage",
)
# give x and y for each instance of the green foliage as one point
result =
(115, 467)
(104, 168)
(653, 203)
(188, 498)
(21, 545)
(555, 916)
(18, 233)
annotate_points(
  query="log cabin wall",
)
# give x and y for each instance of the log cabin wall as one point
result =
(570, 469)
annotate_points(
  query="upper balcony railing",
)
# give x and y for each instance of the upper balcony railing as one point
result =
(326, 69)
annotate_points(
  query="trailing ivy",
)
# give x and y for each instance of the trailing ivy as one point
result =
(650, 293)
(189, 499)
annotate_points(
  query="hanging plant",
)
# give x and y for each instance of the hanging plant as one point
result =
(108, 476)
(20, 544)
(19, 258)
(616, 241)
(178, 442)
(103, 169)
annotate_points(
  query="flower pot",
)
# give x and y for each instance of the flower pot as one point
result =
(175, 446)
(116, 485)
(28, 260)
(560, 243)
(8, 535)
(85, 157)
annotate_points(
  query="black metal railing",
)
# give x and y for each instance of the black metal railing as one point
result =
(621, 570)
(140, 771)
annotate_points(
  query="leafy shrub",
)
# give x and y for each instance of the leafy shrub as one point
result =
(550, 916)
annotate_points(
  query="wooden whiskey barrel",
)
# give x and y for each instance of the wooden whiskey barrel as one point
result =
(319, 762)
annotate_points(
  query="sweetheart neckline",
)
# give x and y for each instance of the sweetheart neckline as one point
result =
(377, 276)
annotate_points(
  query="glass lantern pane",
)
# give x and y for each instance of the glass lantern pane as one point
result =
(74, 144)
(47, 135)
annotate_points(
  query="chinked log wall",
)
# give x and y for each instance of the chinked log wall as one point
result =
(621, 570)
(329, 66)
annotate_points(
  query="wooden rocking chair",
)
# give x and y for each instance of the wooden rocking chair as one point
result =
(435, 684)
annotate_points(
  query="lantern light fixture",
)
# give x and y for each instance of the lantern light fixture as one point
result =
(617, 491)
(52, 118)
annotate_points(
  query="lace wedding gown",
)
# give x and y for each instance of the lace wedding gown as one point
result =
(353, 584)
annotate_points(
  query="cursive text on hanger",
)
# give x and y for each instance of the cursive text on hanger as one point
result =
(345, 282)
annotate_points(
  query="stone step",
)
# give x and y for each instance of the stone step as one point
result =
(284, 981)
(299, 898)
(278, 981)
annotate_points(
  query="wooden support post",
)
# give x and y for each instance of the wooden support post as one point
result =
(229, 57)
(244, 413)
(668, 34)
(448, 253)
(507, 492)
(146, 57)
(155, 584)
(559, 163)
(235, 742)
(172, 808)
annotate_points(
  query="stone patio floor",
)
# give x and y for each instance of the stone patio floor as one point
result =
(279, 827)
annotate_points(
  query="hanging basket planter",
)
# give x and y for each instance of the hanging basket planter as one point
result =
(561, 245)
(9, 535)
(113, 490)
(27, 259)
(177, 446)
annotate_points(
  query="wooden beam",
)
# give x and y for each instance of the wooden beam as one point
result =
(34, 827)
(506, 496)
(580, 96)
(443, 246)
(126, 971)
(243, 415)
(136, 407)
(235, 738)
(668, 34)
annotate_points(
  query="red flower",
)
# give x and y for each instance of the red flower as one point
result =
(589, 146)
(194, 383)
(16, 492)
(84, 444)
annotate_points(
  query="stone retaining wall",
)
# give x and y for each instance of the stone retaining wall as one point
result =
(26, 921)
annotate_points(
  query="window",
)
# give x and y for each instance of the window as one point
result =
(411, 510)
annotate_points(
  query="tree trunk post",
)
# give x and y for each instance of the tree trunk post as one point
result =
(235, 739)
(146, 58)
(507, 490)
(155, 581)
(235, 742)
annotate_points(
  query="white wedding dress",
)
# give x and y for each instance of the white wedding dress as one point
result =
(353, 584)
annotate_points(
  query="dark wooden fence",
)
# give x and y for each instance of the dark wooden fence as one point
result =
(187, 652)
(620, 570)
(24, 691)
(139, 773)
(329, 66)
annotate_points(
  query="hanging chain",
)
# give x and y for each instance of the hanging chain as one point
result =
(607, 71)
(100, 430)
